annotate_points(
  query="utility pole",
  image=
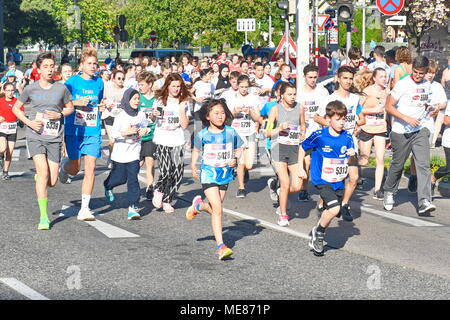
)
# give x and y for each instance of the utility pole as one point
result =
(302, 39)
(2, 37)
(270, 23)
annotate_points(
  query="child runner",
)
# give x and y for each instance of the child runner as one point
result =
(443, 171)
(129, 127)
(284, 127)
(83, 129)
(219, 146)
(8, 128)
(245, 110)
(50, 102)
(171, 106)
(310, 97)
(148, 149)
(329, 167)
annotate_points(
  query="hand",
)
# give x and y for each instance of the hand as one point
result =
(130, 131)
(232, 163)
(259, 91)
(302, 173)
(36, 125)
(351, 152)
(435, 112)
(195, 174)
(52, 115)
(83, 102)
(284, 126)
(238, 109)
(156, 113)
(142, 132)
(411, 121)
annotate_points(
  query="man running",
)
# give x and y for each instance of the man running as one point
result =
(50, 103)
(83, 130)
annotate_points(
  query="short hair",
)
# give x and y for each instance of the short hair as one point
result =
(208, 104)
(421, 62)
(87, 53)
(242, 62)
(433, 67)
(285, 86)
(146, 76)
(335, 107)
(258, 64)
(234, 75)
(204, 72)
(403, 54)
(43, 56)
(379, 51)
(322, 50)
(310, 68)
(115, 72)
(127, 67)
(243, 78)
(165, 66)
(185, 55)
(390, 56)
(11, 63)
(343, 69)
(354, 53)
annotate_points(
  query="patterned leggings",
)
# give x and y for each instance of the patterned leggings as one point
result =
(171, 169)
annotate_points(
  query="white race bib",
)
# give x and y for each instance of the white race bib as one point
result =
(170, 121)
(8, 127)
(350, 122)
(244, 127)
(86, 116)
(375, 119)
(148, 113)
(217, 155)
(290, 136)
(116, 109)
(49, 127)
(334, 170)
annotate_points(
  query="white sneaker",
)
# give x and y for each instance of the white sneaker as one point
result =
(85, 214)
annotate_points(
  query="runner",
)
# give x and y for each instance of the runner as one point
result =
(219, 147)
(246, 115)
(155, 68)
(412, 96)
(355, 59)
(329, 167)
(345, 94)
(404, 69)
(443, 171)
(166, 69)
(66, 72)
(375, 129)
(148, 147)
(50, 102)
(378, 54)
(130, 76)
(83, 129)
(8, 128)
(286, 131)
(128, 129)
(171, 106)
(264, 82)
(309, 97)
(230, 94)
(201, 90)
(222, 83)
(283, 75)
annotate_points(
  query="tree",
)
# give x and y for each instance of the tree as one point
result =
(423, 15)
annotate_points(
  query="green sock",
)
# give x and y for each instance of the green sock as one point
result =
(43, 208)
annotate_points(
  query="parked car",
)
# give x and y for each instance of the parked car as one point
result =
(160, 54)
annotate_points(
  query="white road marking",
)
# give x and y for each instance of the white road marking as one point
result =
(408, 220)
(18, 174)
(16, 155)
(111, 231)
(23, 289)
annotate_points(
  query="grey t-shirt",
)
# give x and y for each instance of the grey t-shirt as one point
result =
(40, 99)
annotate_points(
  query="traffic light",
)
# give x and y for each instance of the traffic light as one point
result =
(344, 9)
(284, 5)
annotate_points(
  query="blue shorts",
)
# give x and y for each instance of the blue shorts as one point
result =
(79, 146)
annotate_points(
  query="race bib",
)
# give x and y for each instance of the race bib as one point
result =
(334, 170)
(350, 121)
(217, 155)
(148, 111)
(244, 127)
(86, 116)
(8, 127)
(116, 109)
(310, 108)
(375, 119)
(170, 121)
(289, 136)
(49, 127)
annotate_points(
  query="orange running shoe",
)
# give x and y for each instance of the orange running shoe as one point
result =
(192, 212)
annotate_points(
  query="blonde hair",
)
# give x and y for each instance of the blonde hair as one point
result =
(433, 67)
(87, 53)
(363, 79)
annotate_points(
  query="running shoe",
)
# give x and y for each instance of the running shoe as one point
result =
(63, 175)
(44, 224)
(132, 214)
(388, 201)
(412, 184)
(157, 199)
(272, 184)
(345, 212)
(168, 208)
(303, 195)
(316, 242)
(377, 195)
(6, 176)
(224, 252)
(85, 214)
(109, 195)
(149, 193)
(246, 176)
(241, 193)
(283, 220)
(192, 211)
(426, 207)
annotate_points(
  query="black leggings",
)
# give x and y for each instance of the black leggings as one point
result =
(442, 171)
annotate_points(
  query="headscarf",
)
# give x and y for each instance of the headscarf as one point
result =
(223, 82)
(125, 103)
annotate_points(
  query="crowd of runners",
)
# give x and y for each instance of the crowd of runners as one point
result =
(321, 134)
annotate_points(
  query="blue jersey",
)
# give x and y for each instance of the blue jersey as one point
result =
(85, 121)
(265, 111)
(329, 157)
(217, 150)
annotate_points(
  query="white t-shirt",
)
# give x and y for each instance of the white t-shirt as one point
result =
(229, 95)
(352, 104)
(437, 97)
(155, 70)
(131, 83)
(265, 83)
(243, 123)
(446, 134)
(203, 89)
(127, 149)
(168, 131)
(311, 102)
(189, 69)
(412, 99)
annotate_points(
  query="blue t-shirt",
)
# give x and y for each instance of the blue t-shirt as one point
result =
(265, 111)
(85, 121)
(185, 77)
(276, 83)
(334, 151)
(217, 149)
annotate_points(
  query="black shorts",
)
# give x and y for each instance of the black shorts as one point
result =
(331, 198)
(365, 137)
(109, 121)
(9, 137)
(148, 149)
(223, 187)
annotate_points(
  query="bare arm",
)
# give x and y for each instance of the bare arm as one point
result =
(447, 120)
(321, 120)
(194, 159)
(184, 121)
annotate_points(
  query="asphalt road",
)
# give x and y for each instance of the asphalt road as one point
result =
(165, 257)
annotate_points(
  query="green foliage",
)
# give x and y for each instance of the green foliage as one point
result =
(373, 30)
(435, 162)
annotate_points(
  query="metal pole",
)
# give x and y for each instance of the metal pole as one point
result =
(2, 37)
(246, 37)
(286, 44)
(349, 37)
(270, 23)
(316, 28)
(363, 44)
(302, 40)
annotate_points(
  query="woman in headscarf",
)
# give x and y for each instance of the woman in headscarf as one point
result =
(222, 82)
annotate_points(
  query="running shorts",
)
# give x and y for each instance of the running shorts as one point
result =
(148, 149)
(222, 187)
(52, 150)
(9, 137)
(331, 198)
(79, 146)
(365, 137)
